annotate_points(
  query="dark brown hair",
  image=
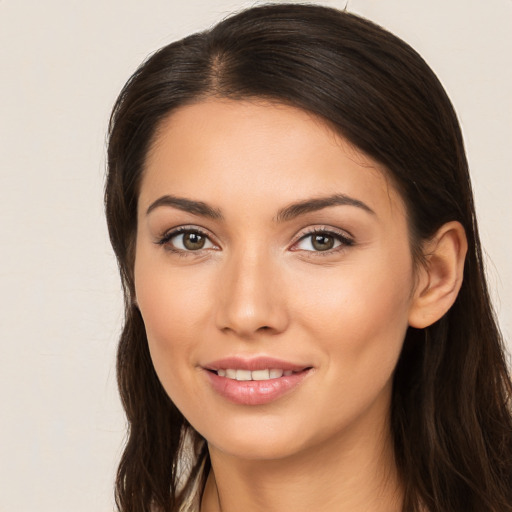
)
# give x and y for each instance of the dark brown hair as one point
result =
(451, 417)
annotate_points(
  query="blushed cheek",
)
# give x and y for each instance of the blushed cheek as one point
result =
(167, 336)
(158, 312)
(163, 316)
(362, 314)
(172, 307)
(159, 297)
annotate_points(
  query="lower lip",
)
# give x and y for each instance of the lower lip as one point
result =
(255, 392)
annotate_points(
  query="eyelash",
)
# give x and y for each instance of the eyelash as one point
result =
(344, 239)
(166, 238)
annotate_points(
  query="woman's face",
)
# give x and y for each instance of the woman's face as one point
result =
(266, 243)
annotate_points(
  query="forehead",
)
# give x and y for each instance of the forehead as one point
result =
(258, 151)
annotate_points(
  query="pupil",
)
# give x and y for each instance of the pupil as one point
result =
(193, 241)
(323, 242)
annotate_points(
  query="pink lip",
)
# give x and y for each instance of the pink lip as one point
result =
(256, 363)
(253, 392)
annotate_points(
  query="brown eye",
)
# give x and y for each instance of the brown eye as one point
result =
(186, 240)
(322, 242)
(193, 241)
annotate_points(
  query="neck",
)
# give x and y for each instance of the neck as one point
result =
(351, 472)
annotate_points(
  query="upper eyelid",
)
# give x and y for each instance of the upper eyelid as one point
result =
(165, 238)
(345, 238)
(178, 230)
(343, 233)
(169, 233)
(302, 233)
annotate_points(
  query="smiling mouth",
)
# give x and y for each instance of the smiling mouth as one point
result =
(258, 386)
(264, 374)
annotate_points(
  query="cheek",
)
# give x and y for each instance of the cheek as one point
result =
(357, 320)
(169, 318)
(359, 314)
(170, 300)
(169, 304)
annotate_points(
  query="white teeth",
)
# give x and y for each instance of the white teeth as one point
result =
(272, 373)
(260, 374)
(243, 375)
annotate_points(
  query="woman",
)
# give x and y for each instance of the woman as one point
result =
(307, 324)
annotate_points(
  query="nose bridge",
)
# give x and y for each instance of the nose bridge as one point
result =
(250, 298)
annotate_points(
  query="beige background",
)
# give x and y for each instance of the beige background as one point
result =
(62, 64)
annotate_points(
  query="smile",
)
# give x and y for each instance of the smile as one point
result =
(266, 374)
(255, 381)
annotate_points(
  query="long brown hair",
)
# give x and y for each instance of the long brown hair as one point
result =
(451, 416)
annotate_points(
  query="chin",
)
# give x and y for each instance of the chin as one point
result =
(262, 441)
(257, 449)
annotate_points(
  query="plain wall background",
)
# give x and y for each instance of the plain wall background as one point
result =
(62, 64)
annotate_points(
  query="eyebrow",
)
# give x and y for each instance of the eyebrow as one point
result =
(187, 205)
(284, 214)
(312, 205)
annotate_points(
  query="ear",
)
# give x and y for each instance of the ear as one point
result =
(440, 277)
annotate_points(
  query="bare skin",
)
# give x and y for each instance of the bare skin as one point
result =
(355, 474)
(330, 287)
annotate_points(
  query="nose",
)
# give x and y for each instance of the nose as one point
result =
(251, 298)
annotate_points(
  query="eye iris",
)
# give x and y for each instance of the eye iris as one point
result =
(323, 242)
(193, 241)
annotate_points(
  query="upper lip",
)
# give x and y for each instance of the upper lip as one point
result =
(254, 363)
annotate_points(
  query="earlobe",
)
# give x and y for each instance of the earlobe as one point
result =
(440, 278)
